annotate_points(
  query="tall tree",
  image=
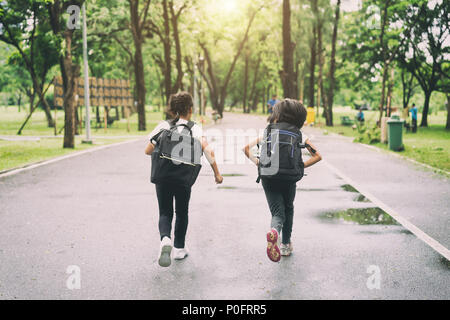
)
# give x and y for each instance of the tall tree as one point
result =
(168, 32)
(138, 19)
(332, 72)
(312, 66)
(23, 25)
(427, 46)
(288, 74)
(218, 91)
(69, 68)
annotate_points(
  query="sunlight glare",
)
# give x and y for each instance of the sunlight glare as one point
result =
(229, 5)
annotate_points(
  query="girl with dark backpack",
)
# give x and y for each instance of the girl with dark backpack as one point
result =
(176, 147)
(280, 167)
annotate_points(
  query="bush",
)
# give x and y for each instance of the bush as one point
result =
(370, 135)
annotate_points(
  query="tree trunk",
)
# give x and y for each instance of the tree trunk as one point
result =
(426, 109)
(38, 90)
(332, 76)
(176, 36)
(244, 101)
(31, 98)
(140, 86)
(389, 95)
(320, 94)
(288, 77)
(407, 88)
(448, 113)
(68, 75)
(312, 69)
(167, 53)
(383, 90)
(138, 63)
(253, 93)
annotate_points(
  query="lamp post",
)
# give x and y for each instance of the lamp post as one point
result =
(88, 139)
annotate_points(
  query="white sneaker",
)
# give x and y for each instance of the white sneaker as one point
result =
(180, 254)
(164, 252)
(286, 249)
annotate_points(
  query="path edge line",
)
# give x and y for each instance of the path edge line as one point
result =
(434, 244)
(35, 165)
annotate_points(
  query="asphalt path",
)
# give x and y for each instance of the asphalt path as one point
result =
(97, 213)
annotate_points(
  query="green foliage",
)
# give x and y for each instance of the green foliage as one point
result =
(368, 134)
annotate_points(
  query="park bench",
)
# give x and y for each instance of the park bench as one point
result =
(346, 121)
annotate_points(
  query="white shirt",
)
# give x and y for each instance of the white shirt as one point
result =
(197, 131)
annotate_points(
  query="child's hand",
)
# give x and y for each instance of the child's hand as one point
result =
(219, 179)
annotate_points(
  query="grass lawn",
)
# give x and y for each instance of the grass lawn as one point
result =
(430, 145)
(19, 153)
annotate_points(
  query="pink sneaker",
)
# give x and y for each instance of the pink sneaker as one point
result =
(273, 252)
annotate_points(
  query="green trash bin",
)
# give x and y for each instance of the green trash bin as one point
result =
(395, 134)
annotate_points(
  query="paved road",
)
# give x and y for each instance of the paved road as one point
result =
(98, 211)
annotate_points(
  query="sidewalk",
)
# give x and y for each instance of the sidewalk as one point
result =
(418, 194)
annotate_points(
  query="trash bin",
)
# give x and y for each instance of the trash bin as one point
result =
(311, 116)
(395, 134)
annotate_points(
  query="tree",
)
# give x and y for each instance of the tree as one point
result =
(23, 26)
(218, 91)
(427, 45)
(288, 75)
(168, 33)
(138, 19)
(332, 72)
(69, 69)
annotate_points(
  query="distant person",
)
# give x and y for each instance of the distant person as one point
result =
(174, 179)
(272, 102)
(280, 167)
(414, 112)
(405, 117)
(360, 116)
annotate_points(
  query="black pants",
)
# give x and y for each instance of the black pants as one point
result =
(166, 194)
(280, 197)
(414, 125)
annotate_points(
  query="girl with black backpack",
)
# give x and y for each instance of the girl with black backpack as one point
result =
(280, 167)
(176, 147)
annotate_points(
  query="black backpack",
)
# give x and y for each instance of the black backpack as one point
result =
(281, 153)
(177, 156)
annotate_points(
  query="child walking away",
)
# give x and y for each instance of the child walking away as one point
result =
(280, 167)
(176, 147)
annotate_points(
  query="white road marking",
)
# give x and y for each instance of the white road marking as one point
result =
(394, 214)
(72, 155)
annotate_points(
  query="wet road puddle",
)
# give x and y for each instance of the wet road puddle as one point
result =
(314, 189)
(231, 175)
(445, 263)
(227, 188)
(359, 197)
(349, 188)
(365, 216)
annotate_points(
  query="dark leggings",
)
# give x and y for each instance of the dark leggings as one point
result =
(166, 193)
(280, 197)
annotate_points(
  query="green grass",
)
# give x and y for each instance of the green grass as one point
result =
(430, 145)
(19, 153)
(15, 154)
(11, 120)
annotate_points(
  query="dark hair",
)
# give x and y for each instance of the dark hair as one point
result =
(290, 111)
(180, 104)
